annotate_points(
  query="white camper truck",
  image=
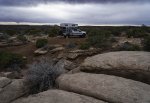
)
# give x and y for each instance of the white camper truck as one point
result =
(68, 29)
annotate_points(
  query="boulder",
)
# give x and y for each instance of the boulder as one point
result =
(4, 82)
(105, 87)
(12, 91)
(40, 51)
(11, 75)
(60, 56)
(65, 64)
(122, 40)
(0, 90)
(73, 56)
(57, 96)
(55, 46)
(76, 53)
(129, 64)
(57, 49)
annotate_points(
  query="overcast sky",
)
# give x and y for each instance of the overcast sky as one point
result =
(83, 12)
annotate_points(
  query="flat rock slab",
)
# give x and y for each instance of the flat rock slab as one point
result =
(73, 56)
(10, 75)
(57, 96)
(57, 49)
(65, 64)
(105, 87)
(4, 82)
(40, 51)
(12, 91)
(130, 64)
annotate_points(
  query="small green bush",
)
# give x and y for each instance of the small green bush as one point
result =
(84, 46)
(4, 37)
(147, 43)
(113, 40)
(11, 60)
(54, 31)
(129, 47)
(99, 40)
(35, 32)
(136, 33)
(71, 45)
(22, 38)
(41, 43)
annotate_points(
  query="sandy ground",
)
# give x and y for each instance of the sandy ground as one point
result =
(28, 49)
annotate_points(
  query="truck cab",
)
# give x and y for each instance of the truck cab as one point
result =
(68, 29)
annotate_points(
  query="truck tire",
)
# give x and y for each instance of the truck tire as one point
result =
(68, 35)
(84, 35)
(65, 36)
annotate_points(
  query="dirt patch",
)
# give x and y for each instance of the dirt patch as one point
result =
(28, 49)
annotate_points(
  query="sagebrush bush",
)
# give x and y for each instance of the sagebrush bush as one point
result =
(41, 75)
(71, 45)
(129, 47)
(4, 37)
(54, 31)
(99, 40)
(11, 60)
(84, 46)
(41, 43)
(22, 38)
(136, 33)
(147, 43)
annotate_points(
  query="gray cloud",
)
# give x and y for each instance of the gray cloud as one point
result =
(122, 13)
(35, 2)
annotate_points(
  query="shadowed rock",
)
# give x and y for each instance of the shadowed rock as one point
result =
(12, 91)
(129, 64)
(4, 82)
(57, 96)
(104, 87)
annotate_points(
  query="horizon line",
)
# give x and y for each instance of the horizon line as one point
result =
(58, 24)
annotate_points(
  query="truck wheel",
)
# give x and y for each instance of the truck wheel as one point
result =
(65, 36)
(68, 35)
(84, 35)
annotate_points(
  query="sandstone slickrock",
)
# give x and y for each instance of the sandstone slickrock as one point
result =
(129, 64)
(12, 91)
(4, 82)
(11, 75)
(57, 96)
(40, 51)
(86, 52)
(65, 64)
(105, 87)
(73, 56)
(57, 49)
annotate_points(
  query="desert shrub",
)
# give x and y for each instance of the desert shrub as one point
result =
(84, 46)
(113, 39)
(41, 43)
(11, 32)
(99, 39)
(147, 43)
(71, 45)
(4, 37)
(22, 38)
(35, 32)
(129, 47)
(54, 31)
(11, 60)
(116, 32)
(41, 75)
(136, 33)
